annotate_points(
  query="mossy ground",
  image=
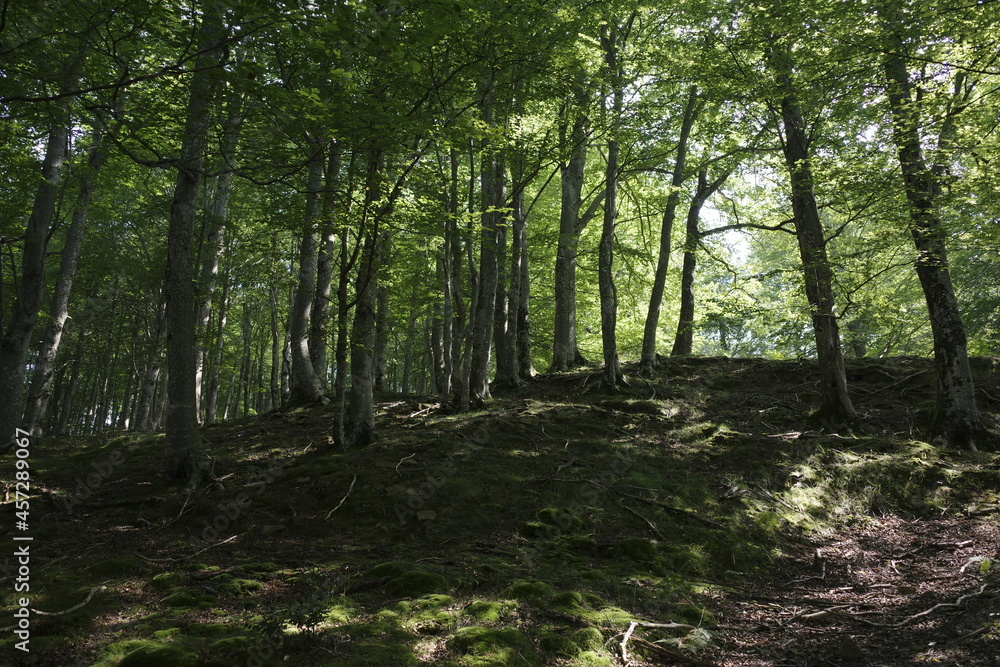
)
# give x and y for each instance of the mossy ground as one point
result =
(529, 533)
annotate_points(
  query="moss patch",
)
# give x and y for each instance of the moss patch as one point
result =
(486, 647)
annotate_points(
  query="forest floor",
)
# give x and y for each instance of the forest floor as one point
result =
(695, 518)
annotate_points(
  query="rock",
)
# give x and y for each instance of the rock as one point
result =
(849, 649)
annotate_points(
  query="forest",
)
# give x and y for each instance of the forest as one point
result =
(356, 245)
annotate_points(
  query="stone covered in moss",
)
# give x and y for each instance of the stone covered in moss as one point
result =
(417, 583)
(160, 655)
(188, 597)
(530, 590)
(636, 548)
(486, 647)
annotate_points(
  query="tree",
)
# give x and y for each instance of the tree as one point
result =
(956, 417)
(182, 448)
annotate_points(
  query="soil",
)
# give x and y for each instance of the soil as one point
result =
(696, 517)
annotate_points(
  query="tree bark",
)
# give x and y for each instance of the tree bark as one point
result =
(648, 362)
(319, 325)
(182, 449)
(485, 313)
(41, 382)
(565, 353)
(213, 240)
(17, 337)
(360, 427)
(684, 338)
(836, 410)
(215, 377)
(956, 417)
(305, 386)
(606, 250)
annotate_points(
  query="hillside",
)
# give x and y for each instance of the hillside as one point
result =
(692, 519)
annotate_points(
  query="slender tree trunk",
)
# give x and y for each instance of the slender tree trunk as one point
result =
(41, 382)
(151, 378)
(684, 338)
(17, 336)
(213, 242)
(361, 405)
(836, 410)
(649, 360)
(66, 405)
(305, 385)
(956, 417)
(454, 249)
(606, 280)
(381, 325)
(519, 341)
(318, 332)
(182, 449)
(215, 378)
(492, 219)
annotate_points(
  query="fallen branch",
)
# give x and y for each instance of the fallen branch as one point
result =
(211, 546)
(344, 498)
(906, 621)
(649, 523)
(73, 608)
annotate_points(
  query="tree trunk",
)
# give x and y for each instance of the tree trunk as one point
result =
(835, 410)
(17, 337)
(517, 309)
(215, 377)
(305, 386)
(606, 251)
(318, 332)
(182, 449)
(492, 219)
(41, 382)
(145, 414)
(360, 427)
(213, 241)
(956, 416)
(381, 360)
(684, 338)
(565, 354)
(648, 361)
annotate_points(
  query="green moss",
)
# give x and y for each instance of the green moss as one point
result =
(239, 643)
(563, 519)
(227, 583)
(166, 633)
(160, 655)
(208, 630)
(188, 597)
(555, 645)
(417, 583)
(390, 569)
(340, 610)
(369, 654)
(593, 659)
(489, 612)
(538, 530)
(530, 590)
(693, 614)
(589, 639)
(636, 548)
(568, 602)
(259, 568)
(166, 581)
(576, 544)
(486, 647)
(431, 601)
